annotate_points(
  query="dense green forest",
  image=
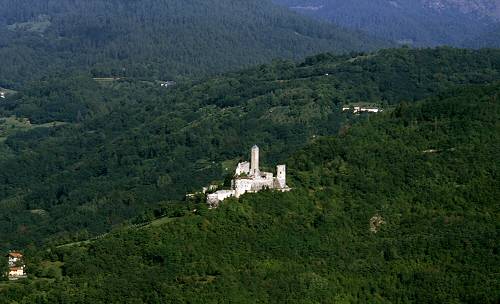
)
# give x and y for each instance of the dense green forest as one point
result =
(156, 39)
(414, 22)
(93, 155)
(400, 207)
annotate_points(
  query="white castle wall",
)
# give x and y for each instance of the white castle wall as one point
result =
(242, 186)
(213, 199)
(243, 168)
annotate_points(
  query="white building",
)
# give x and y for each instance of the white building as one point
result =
(16, 272)
(16, 266)
(14, 258)
(368, 110)
(358, 110)
(167, 84)
(249, 178)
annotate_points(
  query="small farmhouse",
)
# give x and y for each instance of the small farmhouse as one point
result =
(167, 84)
(357, 109)
(16, 265)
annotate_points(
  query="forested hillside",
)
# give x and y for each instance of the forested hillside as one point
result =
(92, 155)
(399, 208)
(413, 22)
(156, 39)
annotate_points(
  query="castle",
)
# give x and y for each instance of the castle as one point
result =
(249, 178)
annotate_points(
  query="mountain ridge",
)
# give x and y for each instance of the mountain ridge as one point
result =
(157, 39)
(484, 8)
(419, 23)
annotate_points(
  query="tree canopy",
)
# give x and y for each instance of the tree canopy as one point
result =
(400, 208)
(157, 39)
(93, 155)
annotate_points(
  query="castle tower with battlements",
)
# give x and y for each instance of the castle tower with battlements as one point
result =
(281, 175)
(254, 161)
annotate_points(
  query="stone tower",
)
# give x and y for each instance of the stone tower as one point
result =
(254, 162)
(281, 175)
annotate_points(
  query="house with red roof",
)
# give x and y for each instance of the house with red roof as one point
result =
(16, 265)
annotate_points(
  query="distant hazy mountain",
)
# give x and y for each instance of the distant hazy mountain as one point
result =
(482, 8)
(157, 38)
(490, 37)
(418, 22)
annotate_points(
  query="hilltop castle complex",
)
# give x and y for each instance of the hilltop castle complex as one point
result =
(249, 178)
